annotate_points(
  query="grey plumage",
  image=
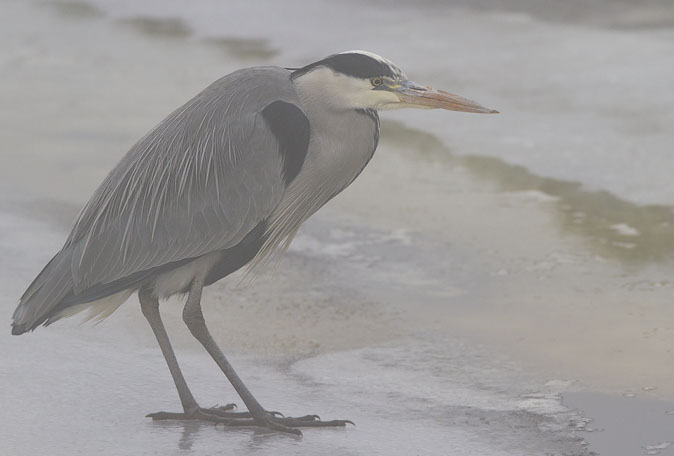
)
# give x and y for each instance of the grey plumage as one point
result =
(224, 181)
(199, 182)
(196, 184)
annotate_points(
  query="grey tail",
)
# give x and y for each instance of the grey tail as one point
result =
(44, 294)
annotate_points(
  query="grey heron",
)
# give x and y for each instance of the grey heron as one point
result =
(224, 181)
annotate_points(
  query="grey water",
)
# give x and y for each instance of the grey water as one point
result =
(493, 285)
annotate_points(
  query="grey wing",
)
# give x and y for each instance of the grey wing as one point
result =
(197, 183)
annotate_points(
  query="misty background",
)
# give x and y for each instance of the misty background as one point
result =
(492, 285)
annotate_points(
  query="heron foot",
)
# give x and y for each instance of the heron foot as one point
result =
(271, 420)
(207, 414)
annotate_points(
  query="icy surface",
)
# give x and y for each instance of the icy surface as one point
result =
(480, 267)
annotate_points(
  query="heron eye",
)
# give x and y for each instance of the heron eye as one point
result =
(376, 81)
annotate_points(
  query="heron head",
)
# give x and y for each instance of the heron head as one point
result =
(360, 79)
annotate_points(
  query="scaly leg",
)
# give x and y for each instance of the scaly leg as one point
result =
(194, 319)
(150, 306)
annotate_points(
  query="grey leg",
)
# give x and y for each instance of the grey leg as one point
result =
(194, 319)
(150, 307)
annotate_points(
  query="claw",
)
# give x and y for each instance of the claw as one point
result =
(224, 408)
(277, 414)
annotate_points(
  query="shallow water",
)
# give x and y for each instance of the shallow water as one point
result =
(444, 302)
(626, 425)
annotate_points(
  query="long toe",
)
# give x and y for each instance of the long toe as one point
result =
(225, 413)
(309, 421)
(286, 424)
(200, 414)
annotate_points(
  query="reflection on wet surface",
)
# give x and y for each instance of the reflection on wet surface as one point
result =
(417, 395)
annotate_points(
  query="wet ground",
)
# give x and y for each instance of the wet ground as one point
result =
(493, 285)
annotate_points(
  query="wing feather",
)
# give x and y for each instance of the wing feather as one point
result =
(197, 183)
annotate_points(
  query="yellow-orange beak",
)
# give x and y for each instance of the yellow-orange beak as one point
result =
(414, 95)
